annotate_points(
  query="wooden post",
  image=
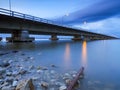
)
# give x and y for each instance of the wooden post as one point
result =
(72, 84)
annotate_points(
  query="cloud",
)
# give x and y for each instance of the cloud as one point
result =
(95, 12)
(108, 26)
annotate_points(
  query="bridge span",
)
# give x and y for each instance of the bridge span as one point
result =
(21, 25)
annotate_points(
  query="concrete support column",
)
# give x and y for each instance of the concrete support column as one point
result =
(53, 37)
(0, 38)
(20, 36)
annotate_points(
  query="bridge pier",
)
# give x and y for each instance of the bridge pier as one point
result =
(0, 38)
(53, 37)
(20, 36)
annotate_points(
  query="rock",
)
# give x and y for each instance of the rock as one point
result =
(10, 61)
(63, 87)
(14, 83)
(39, 67)
(4, 64)
(53, 65)
(74, 75)
(52, 72)
(44, 84)
(81, 76)
(31, 67)
(8, 73)
(67, 81)
(6, 88)
(15, 51)
(39, 71)
(25, 85)
(22, 71)
(2, 71)
(14, 73)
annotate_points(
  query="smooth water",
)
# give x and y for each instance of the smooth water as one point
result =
(101, 59)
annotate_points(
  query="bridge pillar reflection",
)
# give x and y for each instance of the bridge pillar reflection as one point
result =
(20, 36)
(53, 37)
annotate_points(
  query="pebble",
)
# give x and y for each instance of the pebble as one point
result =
(44, 84)
(14, 83)
(63, 87)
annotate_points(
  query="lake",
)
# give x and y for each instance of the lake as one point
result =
(101, 59)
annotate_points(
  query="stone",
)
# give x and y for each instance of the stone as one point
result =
(25, 85)
(2, 71)
(8, 73)
(67, 81)
(22, 71)
(4, 64)
(63, 87)
(44, 84)
(81, 76)
(15, 51)
(53, 65)
(14, 83)
(31, 67)
(39, 67)
(14, 73)
(52, 72)
(6, 88)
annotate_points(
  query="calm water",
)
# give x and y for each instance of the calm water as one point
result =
(101, 59)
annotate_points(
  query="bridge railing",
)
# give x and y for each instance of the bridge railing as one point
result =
(25, 16)
(33, 18)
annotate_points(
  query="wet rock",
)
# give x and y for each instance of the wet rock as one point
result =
(25, 85)
(63, 87)
(6, 88)
(9, 79)
(4, 64)
(44, 84)
(39, 71)
(52, 72)
(22, 71)
(2, 71)
(67, 81)
(31, 67)
(10, 61)
(15, 51)
(14, 83)
(14, 73)
(53, 65)
(8, 73)
(81, 76)
(39, 67)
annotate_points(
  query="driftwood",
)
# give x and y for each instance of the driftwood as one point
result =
(74, 81)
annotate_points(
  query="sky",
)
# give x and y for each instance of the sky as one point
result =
(101, 16)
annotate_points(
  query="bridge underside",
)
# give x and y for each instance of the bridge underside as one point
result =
(21, 28)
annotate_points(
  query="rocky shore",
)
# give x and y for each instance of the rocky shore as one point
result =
(20, 73)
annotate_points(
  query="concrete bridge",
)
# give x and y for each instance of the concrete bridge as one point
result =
(21, 25)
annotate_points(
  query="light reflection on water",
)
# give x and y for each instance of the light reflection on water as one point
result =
(84, 54)
(67, 55)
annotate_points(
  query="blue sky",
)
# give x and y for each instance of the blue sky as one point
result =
(102, 16)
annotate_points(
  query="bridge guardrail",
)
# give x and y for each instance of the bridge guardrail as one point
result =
(33, 18)
(26, 16)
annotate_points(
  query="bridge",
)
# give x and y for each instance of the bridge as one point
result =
(20, 25)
